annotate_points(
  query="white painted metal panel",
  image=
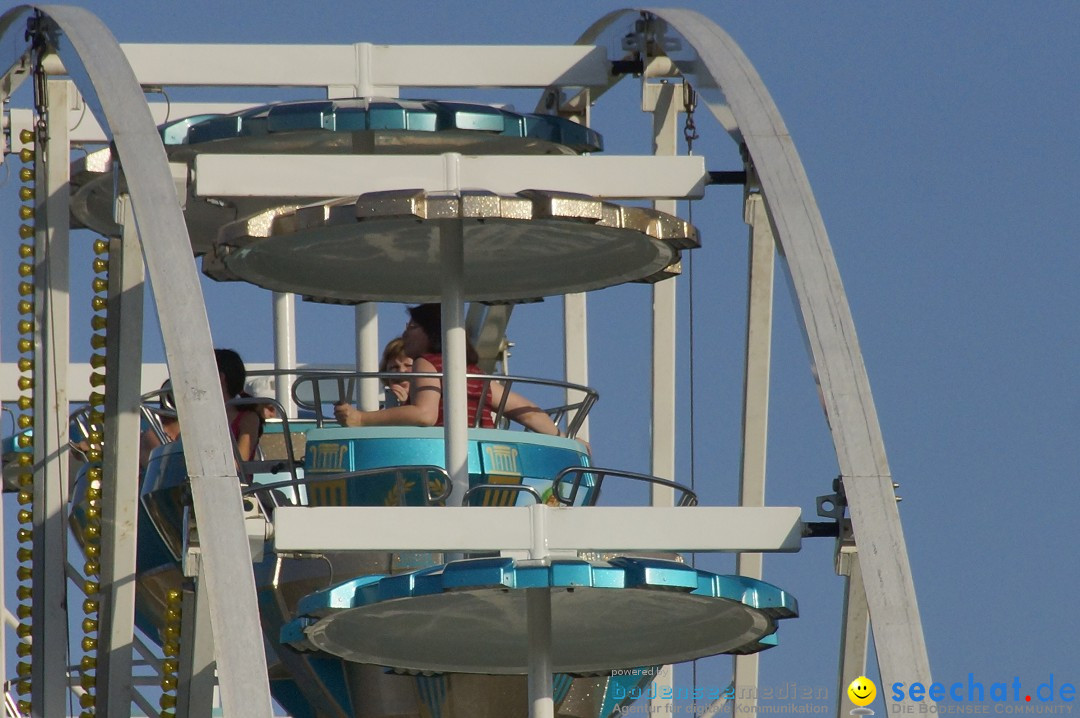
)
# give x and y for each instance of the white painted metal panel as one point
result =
(120, 502)
(608, 528)
(221, 175)
(755, 419)
(330, 65)
(236, 64)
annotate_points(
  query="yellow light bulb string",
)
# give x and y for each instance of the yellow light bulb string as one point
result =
(25, 442)
(94, 475)
(171, 647)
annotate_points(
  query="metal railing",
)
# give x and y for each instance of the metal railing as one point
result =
(272, 494)
(153, 413)
(597, 475)
(516, 488)
(315, 390)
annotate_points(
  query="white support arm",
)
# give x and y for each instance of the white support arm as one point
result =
(221, 175)
(512, 528)
(368, 65)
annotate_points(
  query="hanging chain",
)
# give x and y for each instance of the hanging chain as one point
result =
(689, 135)
(38, 37)
(689, 105)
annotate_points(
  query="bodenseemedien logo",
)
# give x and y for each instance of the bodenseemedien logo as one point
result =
(862, 692)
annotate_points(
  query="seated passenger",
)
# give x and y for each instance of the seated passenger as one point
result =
(262, 387)
(244, 423)
(394, 358)
(170, 427)
(423, 343)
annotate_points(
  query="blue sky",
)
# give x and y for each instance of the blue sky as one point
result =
(939, 140)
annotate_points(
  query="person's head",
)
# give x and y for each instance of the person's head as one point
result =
(423, 333)
(394, 358)
(262, 387)
(231, 372)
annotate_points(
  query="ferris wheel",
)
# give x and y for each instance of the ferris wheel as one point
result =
(389, 570)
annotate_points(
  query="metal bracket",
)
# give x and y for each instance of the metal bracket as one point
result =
(846, 550)
(832, 506)
(190, 554)
(257, 526)
(649, 37)
(42, 32)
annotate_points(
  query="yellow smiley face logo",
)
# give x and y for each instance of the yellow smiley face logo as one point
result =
(862, 691)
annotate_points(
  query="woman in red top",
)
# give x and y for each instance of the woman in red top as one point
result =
(423, 342)
(244, 423)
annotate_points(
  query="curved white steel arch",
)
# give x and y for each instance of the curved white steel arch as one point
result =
(738, 99)
(226, 559)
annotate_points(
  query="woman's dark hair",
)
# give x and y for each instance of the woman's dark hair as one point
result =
(231, 366)
(429, 317)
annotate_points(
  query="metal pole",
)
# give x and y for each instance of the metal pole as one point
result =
(120, 469)
(51, 312)
(576, 350)
(455, 391)
(197, 679)
(854, 626)
(367, 353)
(755, 420)
(538, 616)
(284, 305)
(659, 98)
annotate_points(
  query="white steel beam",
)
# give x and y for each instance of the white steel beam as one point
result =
(454, 387)
(120, 497)
(368, 353)
(214, 484)
(659, 99)
(366, 65)
(538, 618)
(196, 679)
(854, 625)
(223, 175)
(51, 332)
(720, 67)
(755, 419)
(606, 528)
(284, 311)
(576, 350)
(208, 65)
